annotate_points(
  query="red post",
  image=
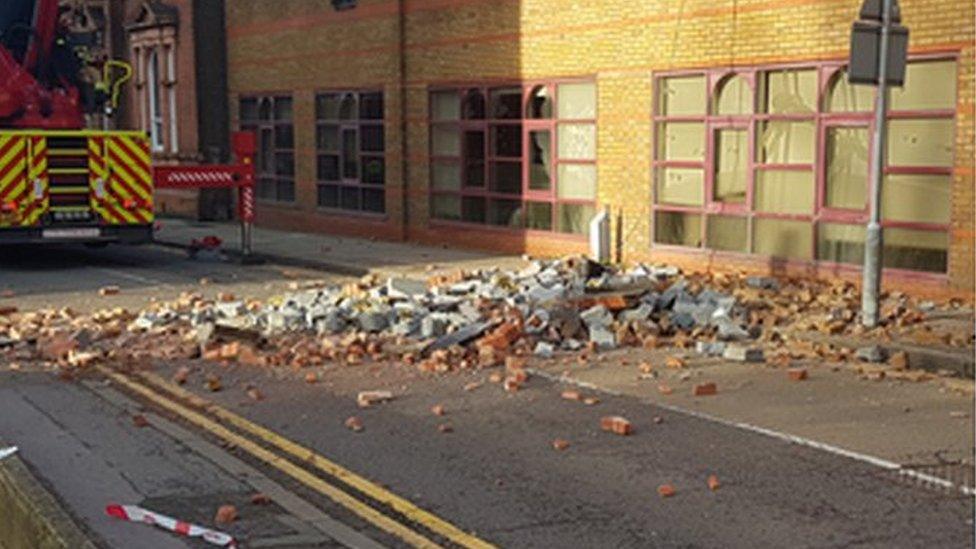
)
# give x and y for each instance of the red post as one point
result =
(244, 146)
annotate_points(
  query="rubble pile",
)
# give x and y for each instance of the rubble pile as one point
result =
(481, 318)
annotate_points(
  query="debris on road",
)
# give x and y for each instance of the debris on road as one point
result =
(797, 374)
(226, 514)
(365, 399)
(260, 499)
(445, 428)
(7, 452)
(438, 410)
(560, 444)
(665, 490)
(617, 425)
(354, 424)
(108, 290)
(713, 483)
(133, 513)
(704, 389)
(140, 421)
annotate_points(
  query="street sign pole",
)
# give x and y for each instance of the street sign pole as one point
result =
(871, 287)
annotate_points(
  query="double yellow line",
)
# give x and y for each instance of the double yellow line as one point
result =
(305, 455)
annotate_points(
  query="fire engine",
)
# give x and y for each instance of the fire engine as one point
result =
(61, 181)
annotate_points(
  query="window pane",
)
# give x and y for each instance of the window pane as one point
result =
(327, 138)
(577, 181)
(847, 167)
(681, 141)
(445, 141)
(915, 250)
(540, 103)
(677, 229)
(374, 200)
(349, 198)
(575, 218)
(327, 106)
(843, 96)
(577, 101)
(446, 176)
(285, 190)
(446, 207)
(284, 137)
(506, 103)
(783, 238)
(328, 196)
(538, 216)
(506, 177)
(681, 186)
(473, 209)
(350, 156)
(328, 167)
(921, 142)
(265, 151)
(282, 109)
(928, 85)
(681, 95)
(577, 141)
(841, 243)
(284, 164)
(445, 105)
(784, 142)
(785, 192)
(371, 106)
(249, 109)
(266, 188)
(505, 213)
(734, 97)
(793, 91)
(264, 109)
(347, 107)
(372, 138)
(731, 165)
(727, 233)
(374, 170)
(917, 198)
(474, 105)
(540, 158)
(506, 140)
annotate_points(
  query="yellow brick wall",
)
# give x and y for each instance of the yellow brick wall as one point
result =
(303, 45)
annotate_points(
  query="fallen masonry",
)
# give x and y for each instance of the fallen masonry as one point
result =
(473, 319)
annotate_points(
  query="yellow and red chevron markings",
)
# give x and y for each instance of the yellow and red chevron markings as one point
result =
(13, 179)
(123, 165)
(36, 205)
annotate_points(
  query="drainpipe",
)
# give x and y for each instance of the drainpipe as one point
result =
(404, 164)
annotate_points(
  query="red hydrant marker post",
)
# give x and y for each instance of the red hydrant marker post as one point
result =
(238, 176)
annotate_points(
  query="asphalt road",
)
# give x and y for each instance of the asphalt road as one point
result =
(496, 474)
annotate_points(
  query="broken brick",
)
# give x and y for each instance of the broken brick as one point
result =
(365, 399)
(665, 490)
(255, 394)
(226, 514)
(713, 483)
(354, 424)
(899, 360)
(511, 385)
(181, 375)
(560, 444)
(591, 401)
(797, 374)
(616, 424)
(260, 499)
(704, 389)
(311, 378)
(572, 395)
(445, 428)
(108, 290)
(213, 383)
(675, 363)
(438, 410)
(472, 386)
(664, 389)
(140, 420)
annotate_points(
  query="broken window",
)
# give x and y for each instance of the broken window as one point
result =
(786, 142)
(734, 97)
(677, 229)
(731, 165)
(539, 104)
(789, 92)
(847, 167)
(842, 96)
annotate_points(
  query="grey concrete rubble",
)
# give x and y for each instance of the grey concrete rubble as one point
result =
(739, 353)
(873, 353)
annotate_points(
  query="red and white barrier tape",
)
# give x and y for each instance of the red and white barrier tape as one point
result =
(134, 513)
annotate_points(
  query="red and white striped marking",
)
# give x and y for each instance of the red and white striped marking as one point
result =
(134, 513)
(183, 177)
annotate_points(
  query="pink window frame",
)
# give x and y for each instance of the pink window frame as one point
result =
(270, 173)
(526, 195)
(822, 119)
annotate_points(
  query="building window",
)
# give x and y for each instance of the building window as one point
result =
(350, 145)
(519, 156)
(270, 117)
(775, 161)
(153, 82)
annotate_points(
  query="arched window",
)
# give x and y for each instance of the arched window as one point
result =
(539, 105)
(734, 96)
(842, 96)
(474, 105)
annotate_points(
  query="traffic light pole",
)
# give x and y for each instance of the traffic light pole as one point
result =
(871, 287)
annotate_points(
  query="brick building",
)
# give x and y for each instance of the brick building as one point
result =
(719, 134)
